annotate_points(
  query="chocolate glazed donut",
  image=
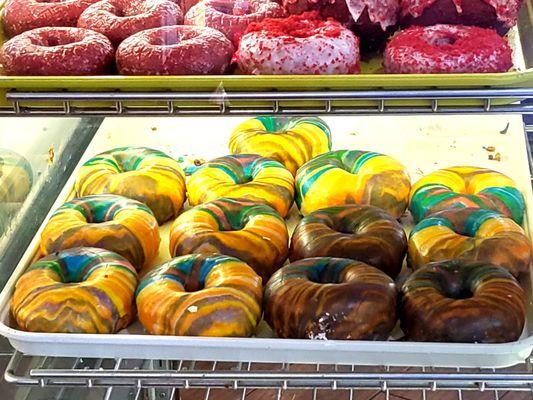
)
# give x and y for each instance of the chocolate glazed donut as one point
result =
(364, 233)
(458, 301)
(331, 298)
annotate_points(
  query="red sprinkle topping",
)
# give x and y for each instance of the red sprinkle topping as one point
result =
(299, 26)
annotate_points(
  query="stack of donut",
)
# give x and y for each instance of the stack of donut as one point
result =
(171, 37)
(335, 277)
(467, 248)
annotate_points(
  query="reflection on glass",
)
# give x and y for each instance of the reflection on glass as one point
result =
(16, 180)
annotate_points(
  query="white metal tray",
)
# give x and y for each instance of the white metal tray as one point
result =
(422, 144)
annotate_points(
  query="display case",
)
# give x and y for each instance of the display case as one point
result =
(425, 126)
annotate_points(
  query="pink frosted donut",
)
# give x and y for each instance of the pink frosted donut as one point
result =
(300, 44)
(24, 15)
(447, 49)
(57, 51)
(232, 17)
(119, 19)
(175, 50)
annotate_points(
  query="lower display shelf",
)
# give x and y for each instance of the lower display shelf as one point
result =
(186, 379)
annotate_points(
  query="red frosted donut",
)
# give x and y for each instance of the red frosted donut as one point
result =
(497, 14)
(372, 20)
(57, 51)
(175, 50)
(447, 49)
(299, 44)
(232, 17)
(24, 15)
(119, 19)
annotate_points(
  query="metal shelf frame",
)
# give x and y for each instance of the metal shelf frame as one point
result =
(242, 377)
(220, 102)
(142, 378)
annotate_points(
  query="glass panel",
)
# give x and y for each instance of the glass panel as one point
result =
(36, 157)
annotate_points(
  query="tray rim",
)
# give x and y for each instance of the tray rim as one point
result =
(523, 78)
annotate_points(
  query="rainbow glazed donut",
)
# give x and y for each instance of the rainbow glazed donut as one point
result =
(243, 176)
(331, 298)
(471, 234)
(16, 177)
(291, 141)
(80, 290)
(200, 295)
(461, 187)
(462, 301)
(115, 223)
(139, 173)
(254, 233)
(363, 233)
(352, 177)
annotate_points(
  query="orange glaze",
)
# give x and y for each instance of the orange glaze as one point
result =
(200, 295)
(115, 223)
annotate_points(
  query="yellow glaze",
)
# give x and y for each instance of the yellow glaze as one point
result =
(139, 173)
(466, 187)
(243, 176)
(115, 223)
(470, 234)
(352, 177)
(291, 141)
(254, 233)
(200, 295)
(81, 290)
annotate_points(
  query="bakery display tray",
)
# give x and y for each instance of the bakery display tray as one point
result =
(423, 144)
(371, 77)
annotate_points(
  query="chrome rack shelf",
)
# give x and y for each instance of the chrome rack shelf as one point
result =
(364, 102)
(275, 380)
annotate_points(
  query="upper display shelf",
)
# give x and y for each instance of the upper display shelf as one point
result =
(370, 91)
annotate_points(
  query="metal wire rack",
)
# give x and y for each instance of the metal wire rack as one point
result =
(436, 101)
(200, 380)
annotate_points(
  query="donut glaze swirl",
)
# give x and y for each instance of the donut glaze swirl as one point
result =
(126, 227)
(458, 301)
(462, 187)
(254, 233)
(80, 290)
(200, 295)
(363, 233)
(470, 234)
(352, 177)
(139, 173)
(327, 298)
(243, 176)
(291, 141)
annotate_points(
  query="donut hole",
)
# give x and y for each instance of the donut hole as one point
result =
(245, 179)
(459, 292)
(323, 275)
(55, 39)
(237, 8)
(170, 38)
(441, 40)
(125, 9)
